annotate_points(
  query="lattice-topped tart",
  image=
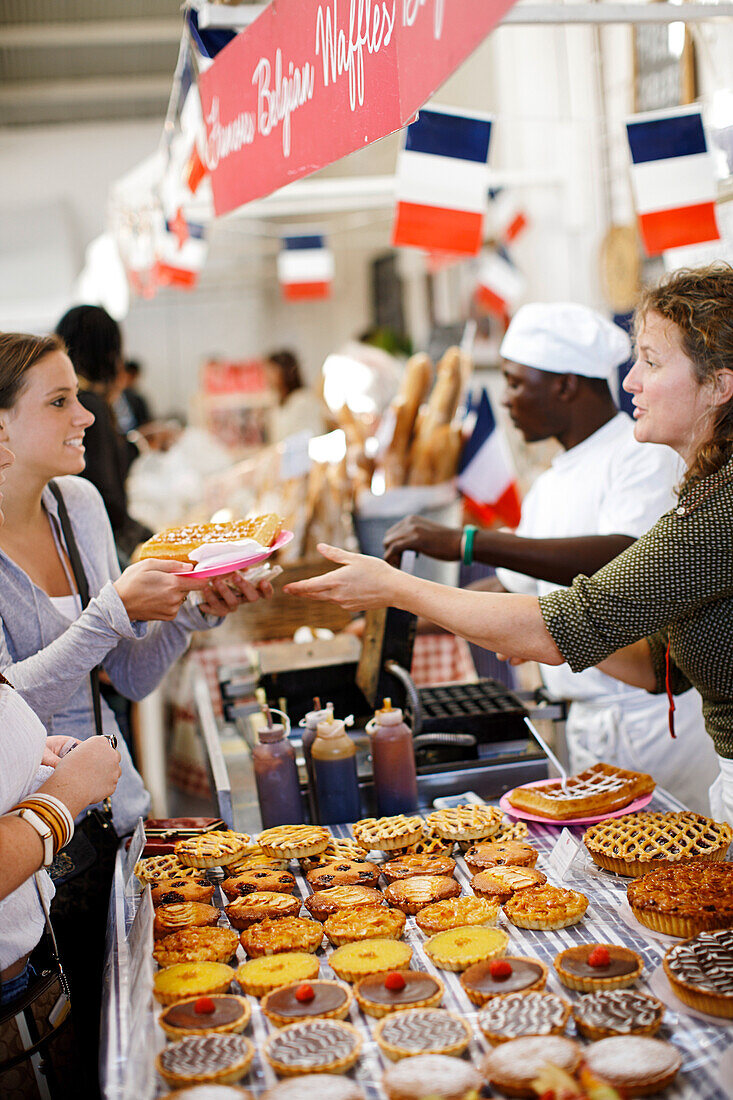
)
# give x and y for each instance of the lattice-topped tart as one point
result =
(633, 844)
(682, 901)
(337, 848)
(183, 914)
(153, 868)
(384, 834)
(294, 841)
(700, 972)
(465, 822)
(600, 789)
(214, 849)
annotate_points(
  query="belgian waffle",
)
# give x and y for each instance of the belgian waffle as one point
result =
(176, 543)
(597, 790)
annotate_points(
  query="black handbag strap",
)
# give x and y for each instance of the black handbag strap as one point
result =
(81, 583)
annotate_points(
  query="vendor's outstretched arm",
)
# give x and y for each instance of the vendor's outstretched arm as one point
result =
(633, 665)
(554, 560)
(509, 624)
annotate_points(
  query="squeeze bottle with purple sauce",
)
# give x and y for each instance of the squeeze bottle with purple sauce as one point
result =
(393, 762)
(334, 765)
(276, 775)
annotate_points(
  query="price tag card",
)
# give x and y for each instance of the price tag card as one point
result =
(140, 936)
(564, 851)
(137, 843)
(450, 801)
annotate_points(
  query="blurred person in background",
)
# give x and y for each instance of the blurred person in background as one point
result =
(131, 407)
(299, 408)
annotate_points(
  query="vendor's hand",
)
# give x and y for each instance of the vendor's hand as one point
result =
(225, 594)
(363, 583)
(85, 776)
(155, 589)
(56, 747)
(424, 536)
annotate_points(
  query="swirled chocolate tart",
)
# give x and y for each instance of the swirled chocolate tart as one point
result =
(700, 972)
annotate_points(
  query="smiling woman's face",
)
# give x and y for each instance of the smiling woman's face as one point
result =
(670, 405)
(45, 427)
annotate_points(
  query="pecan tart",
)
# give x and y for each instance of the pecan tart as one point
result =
(497, 977)
(700, 971)
(205, 1060)
(383, 834)
(633, 1064)
(361, 958)
(368, 922)
(413, 894)
(221, 1014)
(465, 822)
(599, 789)
(380, 994)
(323, 903)
(682, 901)
(410, 866)
(598, 966)
(456, 913)
(294, 841)
(207, 944)
(459, 948)
(273, 937)
(343, 872)
(258, 976)
(258, 879)
(636, 843)
(422, 1031)
(215, 849)
(183, 914)
(319, 999)
(546, 907)
(261, 904)
(197, 979)
(529, 1013)
(617, 1012)
(314, 1046)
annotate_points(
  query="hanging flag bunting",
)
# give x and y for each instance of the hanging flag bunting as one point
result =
(180, 252)
(443, 182)
(194, 170)
(508, 216)
(486, 475)
(500, 285)
(673, 178)
(305, 267)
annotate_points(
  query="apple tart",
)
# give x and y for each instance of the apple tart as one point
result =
(635, 843)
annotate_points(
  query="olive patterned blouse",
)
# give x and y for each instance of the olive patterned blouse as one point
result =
(673, 584)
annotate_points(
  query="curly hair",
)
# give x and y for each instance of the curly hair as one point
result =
(699, 302)
(18, 353)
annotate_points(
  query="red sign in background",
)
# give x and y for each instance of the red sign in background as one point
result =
(312, 80)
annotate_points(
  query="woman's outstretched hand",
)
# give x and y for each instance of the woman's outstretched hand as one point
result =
(361, 584)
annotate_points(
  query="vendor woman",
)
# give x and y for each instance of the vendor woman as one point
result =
(660, 615)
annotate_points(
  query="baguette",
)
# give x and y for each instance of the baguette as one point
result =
(439, 412)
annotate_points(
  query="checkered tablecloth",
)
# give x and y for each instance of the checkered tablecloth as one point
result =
(701, 1044)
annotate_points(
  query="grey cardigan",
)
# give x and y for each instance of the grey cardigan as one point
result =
(48, 659)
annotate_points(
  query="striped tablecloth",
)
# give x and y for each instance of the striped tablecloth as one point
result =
(127, 1068)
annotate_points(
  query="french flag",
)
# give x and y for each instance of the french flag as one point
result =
(673, 179)
(508, 216)
(305, 267)
(486, 475)
(500, 285)
(181, 250)
(443, 182)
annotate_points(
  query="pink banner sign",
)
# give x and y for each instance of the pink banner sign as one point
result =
(312, 80)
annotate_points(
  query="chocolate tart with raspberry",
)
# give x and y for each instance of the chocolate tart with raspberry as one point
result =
(592, 966)
(380, 994)
(322, 999)
(220, 1014)
(496, 977)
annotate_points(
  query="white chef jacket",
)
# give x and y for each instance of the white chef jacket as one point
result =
(611, 484)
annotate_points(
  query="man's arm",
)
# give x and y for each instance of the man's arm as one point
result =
(555, 560)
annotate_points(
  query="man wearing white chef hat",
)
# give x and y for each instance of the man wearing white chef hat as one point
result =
(600, 493)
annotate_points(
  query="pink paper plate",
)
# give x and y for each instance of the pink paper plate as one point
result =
(507, 807)
(243, 563)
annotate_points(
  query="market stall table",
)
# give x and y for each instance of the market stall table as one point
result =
(131, 1038)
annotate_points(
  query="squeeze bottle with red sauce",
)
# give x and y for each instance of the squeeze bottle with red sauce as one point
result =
(393, 762)
(276, 774)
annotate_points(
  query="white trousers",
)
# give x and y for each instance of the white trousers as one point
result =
(721, 792)
(636, 735)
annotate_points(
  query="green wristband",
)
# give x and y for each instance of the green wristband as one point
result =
(469, 534)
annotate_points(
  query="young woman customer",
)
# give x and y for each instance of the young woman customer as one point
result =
(660, 615)
(135, 625)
